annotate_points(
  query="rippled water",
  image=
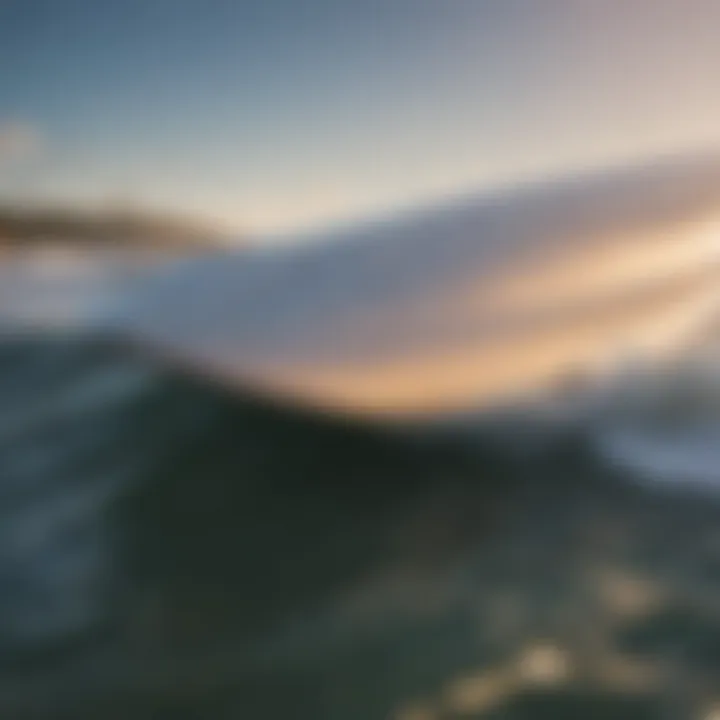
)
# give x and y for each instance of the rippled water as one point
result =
(257, 563)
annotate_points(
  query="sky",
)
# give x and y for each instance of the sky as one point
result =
(276, 116)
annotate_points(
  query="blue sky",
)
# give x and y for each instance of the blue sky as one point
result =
(281, 114)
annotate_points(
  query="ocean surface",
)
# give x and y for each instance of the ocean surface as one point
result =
(256, 563)
(195, 554)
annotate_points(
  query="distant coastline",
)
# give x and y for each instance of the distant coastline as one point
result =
(28, 228)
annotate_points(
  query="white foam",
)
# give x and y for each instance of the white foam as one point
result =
(689, 458)
(66, 288)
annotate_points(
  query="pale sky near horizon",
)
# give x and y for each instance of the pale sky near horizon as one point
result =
(276, 115)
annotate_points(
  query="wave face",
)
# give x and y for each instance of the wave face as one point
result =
(322, 570)
(114, 471)
(66, 443)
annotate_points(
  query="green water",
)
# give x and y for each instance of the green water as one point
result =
(272, 565)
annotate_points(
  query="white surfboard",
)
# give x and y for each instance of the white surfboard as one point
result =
(453, 308)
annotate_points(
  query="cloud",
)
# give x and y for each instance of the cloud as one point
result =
(18, 141)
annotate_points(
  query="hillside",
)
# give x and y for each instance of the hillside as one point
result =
(20, 228)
